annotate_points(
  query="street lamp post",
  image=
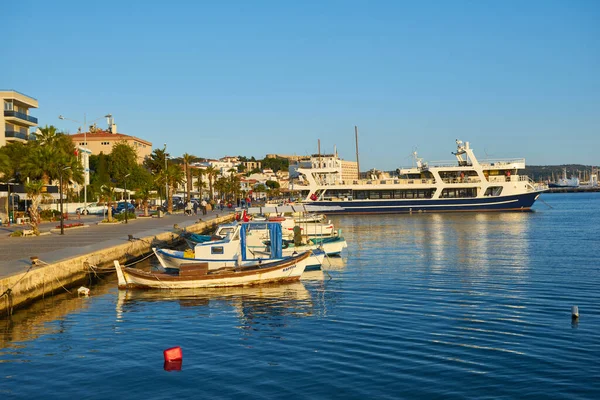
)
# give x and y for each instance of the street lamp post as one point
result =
(126, 199)
(86, 172)
(62, 216)
(166, 179)
(8, 202)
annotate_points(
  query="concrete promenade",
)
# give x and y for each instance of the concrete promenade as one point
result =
(15, 252)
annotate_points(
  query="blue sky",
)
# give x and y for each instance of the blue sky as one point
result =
(216, 78)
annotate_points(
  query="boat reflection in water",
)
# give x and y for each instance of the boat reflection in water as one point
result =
(267, 300)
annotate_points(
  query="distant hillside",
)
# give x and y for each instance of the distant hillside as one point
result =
(553, 172)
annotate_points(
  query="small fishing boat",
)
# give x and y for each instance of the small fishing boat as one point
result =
(241, 247)
(197, 276)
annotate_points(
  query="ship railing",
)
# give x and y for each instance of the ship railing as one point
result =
(502, 178)
(466, 179)
(501, 162)
(387, 181)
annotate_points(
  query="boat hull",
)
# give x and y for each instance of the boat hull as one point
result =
(174, 260)
(518, 202)
(280, 271)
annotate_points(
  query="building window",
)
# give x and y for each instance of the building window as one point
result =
(8, 105)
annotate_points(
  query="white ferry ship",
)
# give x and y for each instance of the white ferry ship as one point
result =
(468, 185)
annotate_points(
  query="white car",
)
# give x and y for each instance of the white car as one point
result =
(92, 208)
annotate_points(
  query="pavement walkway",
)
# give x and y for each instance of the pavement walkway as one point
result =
(53, 247)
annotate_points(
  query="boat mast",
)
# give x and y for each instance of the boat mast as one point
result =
(356, 140)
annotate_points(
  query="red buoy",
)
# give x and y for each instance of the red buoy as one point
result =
(173, 354)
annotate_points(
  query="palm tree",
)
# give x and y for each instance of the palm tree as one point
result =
(34, 190)
(174, 176)
(199, 183)
(187, 160)
(156, 164)
(107, 195)
(211, 172)
(143, 194)
(46, 135)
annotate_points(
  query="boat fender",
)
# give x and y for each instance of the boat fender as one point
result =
(313, 197)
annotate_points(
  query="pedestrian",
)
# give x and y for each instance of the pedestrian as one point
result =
(188, 208)
(203, 204)
(195, 208)
(221, 204)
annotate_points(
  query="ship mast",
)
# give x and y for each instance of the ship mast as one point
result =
(356, 140)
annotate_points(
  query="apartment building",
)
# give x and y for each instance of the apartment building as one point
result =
(17, 123)
(101, 141)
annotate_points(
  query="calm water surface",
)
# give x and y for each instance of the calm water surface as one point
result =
(421, 306)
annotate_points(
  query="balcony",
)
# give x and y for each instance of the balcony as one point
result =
(20, 135)
(21, 116)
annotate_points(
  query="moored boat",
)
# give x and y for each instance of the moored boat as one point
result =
(467, 185)
(241, 247)
(197, 276)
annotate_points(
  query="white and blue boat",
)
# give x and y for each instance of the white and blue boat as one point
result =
(242, 247)
(465, 185)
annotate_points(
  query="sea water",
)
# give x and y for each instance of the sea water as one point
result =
(469, 305)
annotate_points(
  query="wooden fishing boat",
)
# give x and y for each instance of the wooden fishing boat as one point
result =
(197, 276)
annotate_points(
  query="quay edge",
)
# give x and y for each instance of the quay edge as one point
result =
(24, 288)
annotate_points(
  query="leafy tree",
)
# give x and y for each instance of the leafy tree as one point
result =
(47, 135)
(276, 164)
(272, 184)
(123, 161)
(12, 159)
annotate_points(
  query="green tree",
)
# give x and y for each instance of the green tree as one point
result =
(187, 160)
(107, 195)
(174, 176)
(47, 135)
(48, 162)
(272, 184)
(276, 164)
(211, 173)
(123, 161)
(35, 192)
(200, 184)
(156, 165)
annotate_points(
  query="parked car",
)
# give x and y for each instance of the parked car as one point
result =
(92, 208)
(121, 207)
(178, 204)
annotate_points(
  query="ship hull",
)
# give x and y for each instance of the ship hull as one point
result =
(518, 202)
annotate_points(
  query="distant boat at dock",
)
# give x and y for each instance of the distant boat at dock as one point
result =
(564, 182)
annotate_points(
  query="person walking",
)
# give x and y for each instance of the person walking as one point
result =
(203, 204)
(188, 208)
(195, 208)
